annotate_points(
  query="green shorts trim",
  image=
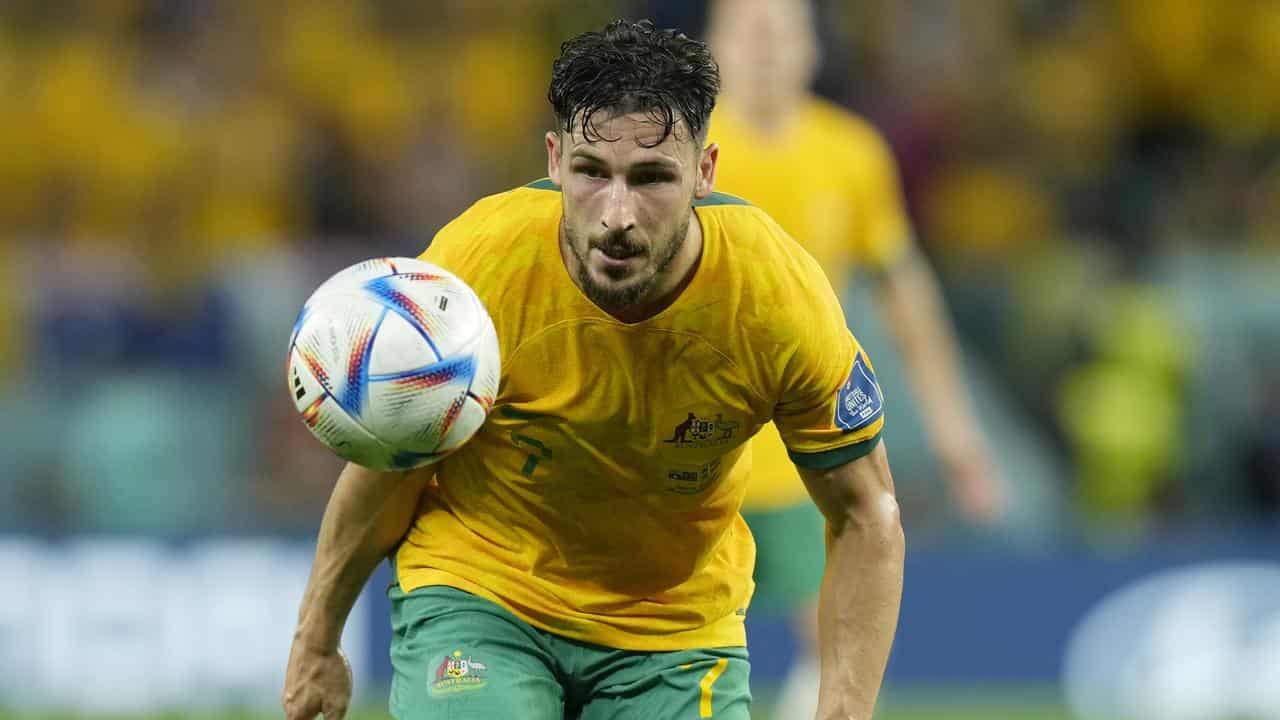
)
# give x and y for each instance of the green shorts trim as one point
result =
(791, 554)
(461, 657)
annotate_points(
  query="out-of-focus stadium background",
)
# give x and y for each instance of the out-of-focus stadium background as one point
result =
(1097, 182)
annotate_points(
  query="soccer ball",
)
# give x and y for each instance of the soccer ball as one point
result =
(393, 363)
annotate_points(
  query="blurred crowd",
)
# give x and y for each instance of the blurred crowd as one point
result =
(1098, 184)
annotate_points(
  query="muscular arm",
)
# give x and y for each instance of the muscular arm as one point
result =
(862, 585)
(913, 307)
(367, 515)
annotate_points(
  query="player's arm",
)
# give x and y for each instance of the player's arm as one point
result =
(911, 301)
(862, 584)
(830, 414)
(912, 307)
(368, 514)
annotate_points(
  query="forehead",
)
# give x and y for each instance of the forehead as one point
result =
(629, 136)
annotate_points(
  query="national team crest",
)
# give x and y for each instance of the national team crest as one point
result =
(697, 431)
(859, 401)
(458, 674)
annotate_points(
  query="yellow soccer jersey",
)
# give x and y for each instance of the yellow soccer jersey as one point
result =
(600, 499)
(829, 180)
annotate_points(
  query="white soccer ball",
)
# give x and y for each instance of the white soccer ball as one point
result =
(393, 363)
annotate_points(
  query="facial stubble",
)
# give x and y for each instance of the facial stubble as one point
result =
(616, 298)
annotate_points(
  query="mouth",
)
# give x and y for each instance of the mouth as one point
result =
(615, 259)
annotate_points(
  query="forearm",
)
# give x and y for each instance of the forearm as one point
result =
(862, 585)
(858, 611)
(367, 515)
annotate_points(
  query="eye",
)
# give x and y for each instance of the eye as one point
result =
(591, 171)
(650, 177)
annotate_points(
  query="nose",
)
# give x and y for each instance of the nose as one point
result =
(619, 207)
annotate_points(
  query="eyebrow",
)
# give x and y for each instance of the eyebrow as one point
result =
(653, 164)
(581, 152)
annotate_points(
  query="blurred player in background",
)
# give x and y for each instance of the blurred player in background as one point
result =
(829, 179)
(583, 555)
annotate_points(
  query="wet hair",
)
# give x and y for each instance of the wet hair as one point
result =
(631, 67)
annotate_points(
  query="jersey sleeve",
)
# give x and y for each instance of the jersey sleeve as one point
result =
(831, 409)
(881, 230)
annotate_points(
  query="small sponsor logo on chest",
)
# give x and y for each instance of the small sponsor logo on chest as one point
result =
(693, 481)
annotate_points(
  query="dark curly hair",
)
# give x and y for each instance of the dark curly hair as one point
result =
(634, 67)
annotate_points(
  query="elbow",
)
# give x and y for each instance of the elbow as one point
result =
(876, 523)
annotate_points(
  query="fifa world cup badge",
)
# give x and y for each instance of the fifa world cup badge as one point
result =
(859, 401)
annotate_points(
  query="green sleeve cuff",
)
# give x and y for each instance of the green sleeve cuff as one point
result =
(835, 457)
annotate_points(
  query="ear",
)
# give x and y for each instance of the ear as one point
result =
(707, 160)
(553, 156)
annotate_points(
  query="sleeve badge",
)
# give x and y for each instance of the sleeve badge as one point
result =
(859, 401)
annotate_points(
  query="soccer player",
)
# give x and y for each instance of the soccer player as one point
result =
(583, 555)
(828, 178)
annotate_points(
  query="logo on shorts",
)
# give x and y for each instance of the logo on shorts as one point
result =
(701, 432)
(458, 674)
(859, 401)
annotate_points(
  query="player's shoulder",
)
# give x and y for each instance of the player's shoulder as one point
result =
(506, 212)
(751, 232)
(784, 299)
(762, 258)
(743, 224)
(497, 223)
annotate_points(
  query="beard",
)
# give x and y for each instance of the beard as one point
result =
(617, 243)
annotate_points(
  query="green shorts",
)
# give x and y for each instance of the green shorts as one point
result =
(791, 553)
(460, 657)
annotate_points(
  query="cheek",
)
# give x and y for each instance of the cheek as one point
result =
(576, 203)
(585, 194)
(665, 208)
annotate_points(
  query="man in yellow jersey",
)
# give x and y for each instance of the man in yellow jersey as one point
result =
(583, 555)
(828, 178)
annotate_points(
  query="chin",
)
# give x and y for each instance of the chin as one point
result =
(613, 283)
(614, 294)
